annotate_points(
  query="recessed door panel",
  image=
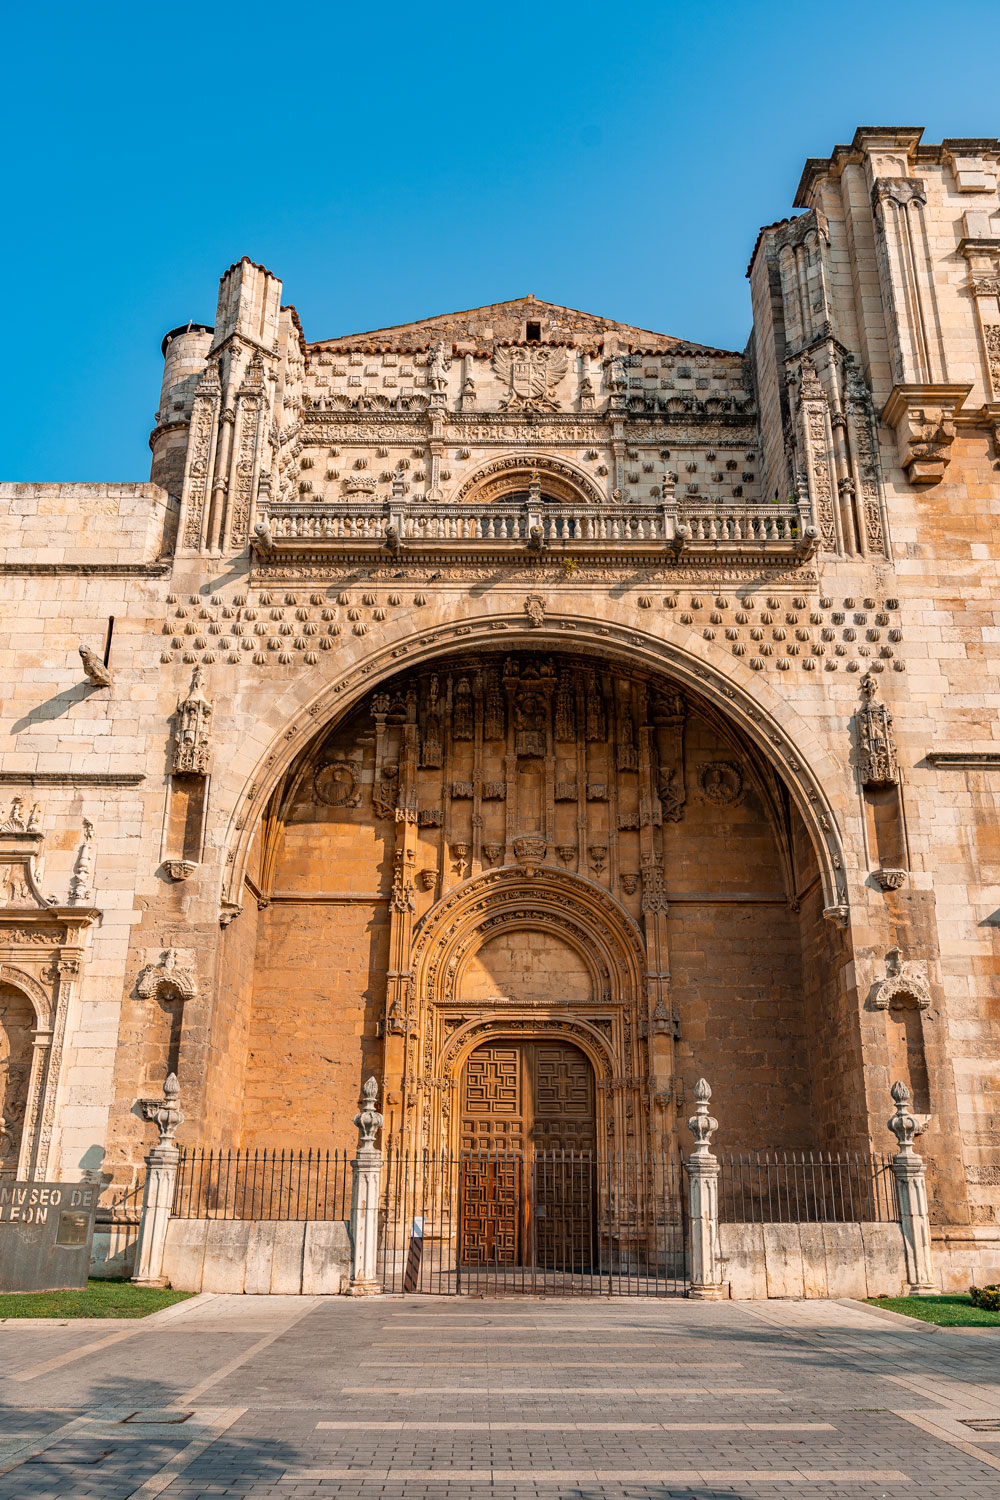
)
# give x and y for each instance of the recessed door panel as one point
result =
(528, 1140)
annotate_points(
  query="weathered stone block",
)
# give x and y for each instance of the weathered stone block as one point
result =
(184, 1253)
(326, 1265)
(783, 1260)
(286, 1262)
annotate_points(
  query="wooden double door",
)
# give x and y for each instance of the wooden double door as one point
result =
(527, 1166)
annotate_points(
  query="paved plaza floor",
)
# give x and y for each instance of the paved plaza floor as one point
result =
(411, 1397)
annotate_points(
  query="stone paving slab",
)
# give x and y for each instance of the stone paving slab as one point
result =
(395, 1399)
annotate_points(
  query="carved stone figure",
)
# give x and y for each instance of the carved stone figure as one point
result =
(721, 782)
(193, 746)
(878, 762)
(80, 889)
(95, 669)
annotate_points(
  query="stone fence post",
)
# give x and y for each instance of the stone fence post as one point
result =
(161, 1174)
(706, 1282)
(367, 1169)
(911, 1190)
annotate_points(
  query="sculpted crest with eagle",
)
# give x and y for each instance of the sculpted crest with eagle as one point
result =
(532, 376)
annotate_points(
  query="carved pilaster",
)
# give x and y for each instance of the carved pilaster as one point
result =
(247, 452)
(814, 447)
(200, 457)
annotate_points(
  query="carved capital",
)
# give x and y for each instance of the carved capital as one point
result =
(904, 982)
(175, 971)
(924, 420)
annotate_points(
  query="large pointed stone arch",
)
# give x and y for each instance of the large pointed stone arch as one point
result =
(818, 784)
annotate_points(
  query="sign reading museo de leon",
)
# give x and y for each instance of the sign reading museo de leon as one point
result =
(45, 1234)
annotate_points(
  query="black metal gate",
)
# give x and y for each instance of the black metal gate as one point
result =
(545, 1222)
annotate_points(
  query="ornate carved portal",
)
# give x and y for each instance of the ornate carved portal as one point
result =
(41, 956)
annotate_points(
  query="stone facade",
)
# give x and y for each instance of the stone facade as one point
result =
(518, 674)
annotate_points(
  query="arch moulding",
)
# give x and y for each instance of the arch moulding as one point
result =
(681, 656)
(570, 906)
(512, 472)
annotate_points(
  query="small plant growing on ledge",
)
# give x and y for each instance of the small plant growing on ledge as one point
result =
(568, 564)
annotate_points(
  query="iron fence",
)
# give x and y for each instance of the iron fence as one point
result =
(262, 1184)
(806, 1187)
(121, 1203)
(544, 1222)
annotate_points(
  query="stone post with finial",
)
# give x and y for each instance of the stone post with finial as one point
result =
(706, 1281)
(911, 1191)
(367, 1168)
(161, 1175)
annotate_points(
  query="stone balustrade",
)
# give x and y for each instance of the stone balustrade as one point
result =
(398, 525)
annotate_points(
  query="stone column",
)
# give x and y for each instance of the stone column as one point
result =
(706, 1282)
(911, 1190)
(367, 1167)
(161, 1174)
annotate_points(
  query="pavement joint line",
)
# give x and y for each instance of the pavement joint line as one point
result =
(562, 1390)
(39, 1443)
(189, 1397)
(59, 1361)
(546, 1343)
(600, 1476)
(158, 1482)
(406, 1425)
(557, 1364)
(135, 1325)
(971, 1450)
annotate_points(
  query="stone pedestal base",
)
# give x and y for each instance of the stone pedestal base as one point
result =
(715, 1292)
(364, 1288)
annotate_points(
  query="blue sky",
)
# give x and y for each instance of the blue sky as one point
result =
(394, 161)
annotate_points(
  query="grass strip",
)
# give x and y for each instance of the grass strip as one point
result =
(99, 1299)
(952, 1310)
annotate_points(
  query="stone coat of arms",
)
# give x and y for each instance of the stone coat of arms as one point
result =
(531, 375)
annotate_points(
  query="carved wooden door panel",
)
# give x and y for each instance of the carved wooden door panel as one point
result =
(563, 1136)
(492, 1144)
(527, 1142)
